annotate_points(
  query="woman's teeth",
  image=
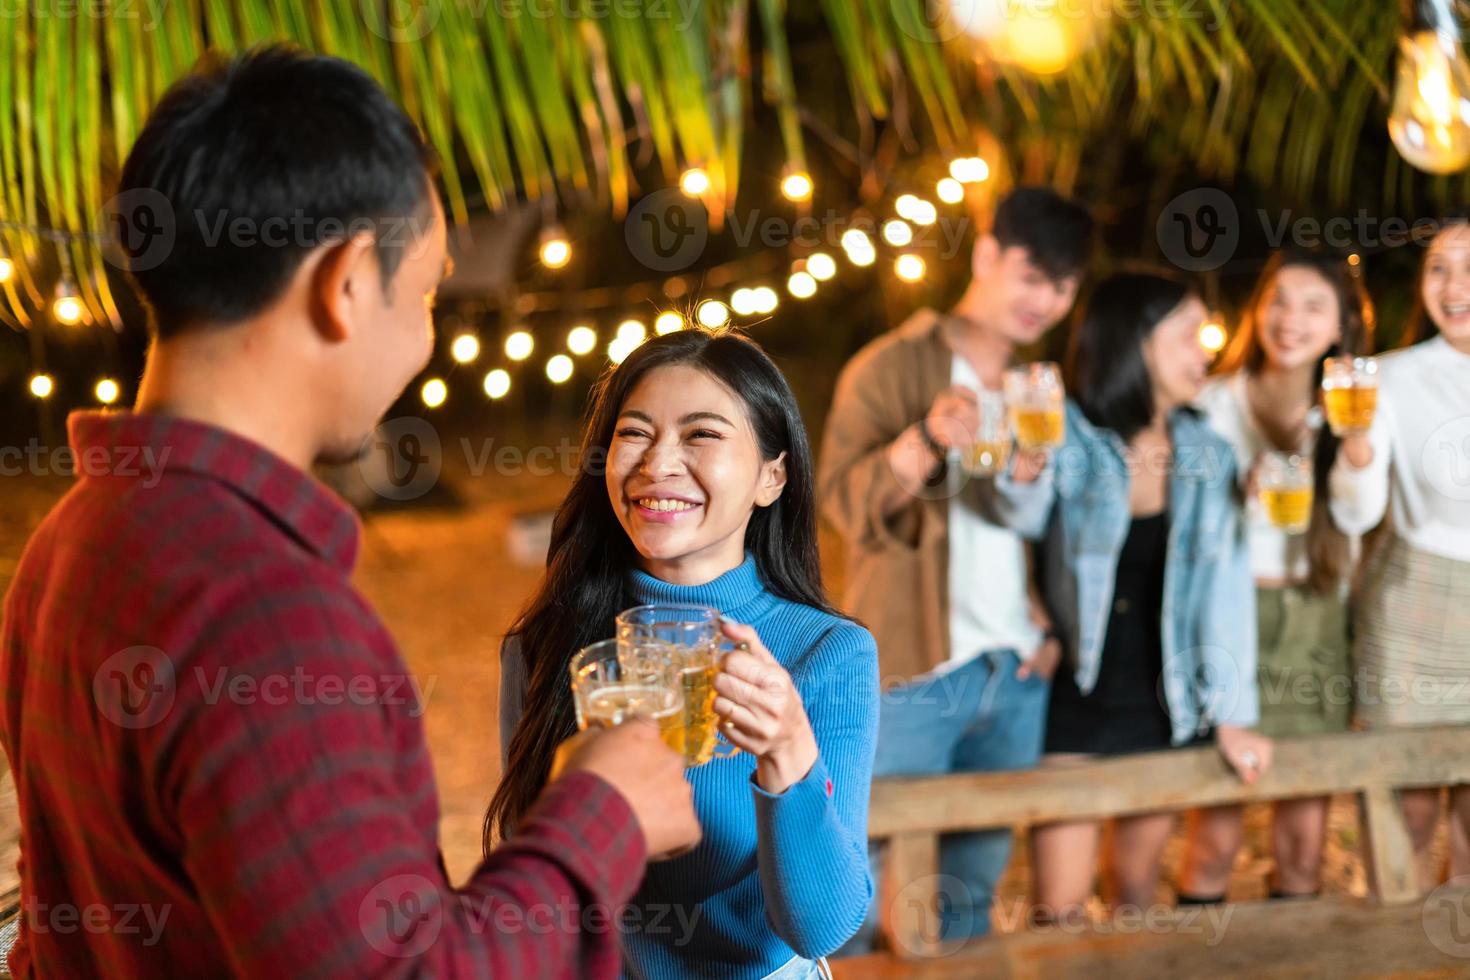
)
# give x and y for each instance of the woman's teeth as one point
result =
(1457, 309)
(649, 503)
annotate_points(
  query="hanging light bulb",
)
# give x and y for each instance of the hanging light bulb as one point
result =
(909, 267)
(712, 313)
(897, 232)
(801, 285)
(694, 182)
(466, 348)
(1429, 121)
(106, 391)
(42, 385)
(632, 331)
(797, 186)
(969, 170)
(519, 345)
(434, 392)
(668, 322)
(1212, 335)
(620, 348)
(742, 301)
(821, 265)
(497, 384)
(765, 299)
(949, 190)
(559, 368)
(66, 307)
(581, 339)
(7, 269)
(859, 247)
(556, 251)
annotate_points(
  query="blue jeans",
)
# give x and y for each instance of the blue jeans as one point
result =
(978, 717)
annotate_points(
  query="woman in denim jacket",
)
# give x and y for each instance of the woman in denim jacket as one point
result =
(1145, 571)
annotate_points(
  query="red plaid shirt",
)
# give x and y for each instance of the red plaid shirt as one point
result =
(218, 754)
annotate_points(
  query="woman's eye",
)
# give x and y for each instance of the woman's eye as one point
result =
(704, 434)
(631, 434)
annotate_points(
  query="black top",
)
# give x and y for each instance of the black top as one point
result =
(1126, 711)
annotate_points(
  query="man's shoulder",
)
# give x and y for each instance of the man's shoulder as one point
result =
(905, 344)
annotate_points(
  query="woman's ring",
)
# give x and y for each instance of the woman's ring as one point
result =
(1250, 759)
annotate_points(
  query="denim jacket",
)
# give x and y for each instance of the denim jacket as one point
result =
(1079, 510)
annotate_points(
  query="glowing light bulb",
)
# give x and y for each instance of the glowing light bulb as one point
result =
(434, 392)
(559, 368)
(801, 285)
(949, 190)
(694, 182)
(909, 267)
(1429, 121)
(556, 251)
(796, 186)
(632, 331)
(66, 308)
(497, 383)
(106, 391)
(7, 269)
(969, 170)
(859, 247)
(620, 348)
(581, 339)
(742, 301)
(668, 322)
(765, 299)
(712, 313)
(466, 348)
(922, 212)
(42, 385)
(1212, 336)
(821, 265)
(519, 345)
(897, 232)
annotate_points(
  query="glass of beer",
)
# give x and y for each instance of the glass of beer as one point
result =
(1034, 397)
(1285, 489)
(1349, 393)
(609, 688)
(992, 446)
(688, 638)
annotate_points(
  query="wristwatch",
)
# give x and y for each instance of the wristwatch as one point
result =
(939, 449)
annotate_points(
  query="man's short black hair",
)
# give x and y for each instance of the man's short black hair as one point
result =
(254, 162)
(1055, 232)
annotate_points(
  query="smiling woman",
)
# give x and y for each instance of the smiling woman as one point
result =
(707, 498)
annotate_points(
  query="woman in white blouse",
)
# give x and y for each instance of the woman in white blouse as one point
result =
(1412, 624)
(1307, 306)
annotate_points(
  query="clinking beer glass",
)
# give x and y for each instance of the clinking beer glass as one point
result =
(992, 445)
(1349, 393)
(687, 638)
(1035, 397)
(1284, 485)
(609, 688)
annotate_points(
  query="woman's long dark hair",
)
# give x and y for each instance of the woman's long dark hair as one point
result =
(1106, 373)
(587, 566)
(1329, 552)
(1421, 325)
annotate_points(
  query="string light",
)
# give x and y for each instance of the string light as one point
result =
(668, 322)
(1354, 259)
(909, 267)
(1430, 117)
(7, 269)
(42, 385)
(765, 299)
(620, 348)
(106, 391)
(519, 345)
(1212, 335)
(497, 384)
(969, 170)
(581, 339)
(556, 251)
(821, 265)
(434, 392)
(897, 232)
(916, 209)
(797, 186)
(950, 191)
(694, 182)
(66, 308)
(466, 348)
(632, 331)
(742, 301)
(712, 313)
(859, 247)
(801, 285)
(559, 368)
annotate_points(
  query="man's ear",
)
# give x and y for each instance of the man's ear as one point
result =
(773, 481)
(344, 280)
(985, 255)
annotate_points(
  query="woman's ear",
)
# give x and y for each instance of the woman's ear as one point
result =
(772, 481)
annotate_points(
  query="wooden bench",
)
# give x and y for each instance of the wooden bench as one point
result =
(910, 814)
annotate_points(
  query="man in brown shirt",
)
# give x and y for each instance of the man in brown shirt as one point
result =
(965, 652)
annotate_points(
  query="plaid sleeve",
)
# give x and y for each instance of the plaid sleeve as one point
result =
(307, 820)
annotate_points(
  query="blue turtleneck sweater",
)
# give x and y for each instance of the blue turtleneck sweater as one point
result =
(776, 876)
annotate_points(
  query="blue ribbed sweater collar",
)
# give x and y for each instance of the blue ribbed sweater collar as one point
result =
(739, 593)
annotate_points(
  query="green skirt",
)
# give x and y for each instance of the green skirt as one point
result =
(1303, 670)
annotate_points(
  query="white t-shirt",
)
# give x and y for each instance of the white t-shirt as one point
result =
(988, 598)
(1421, 451)
(1275, 555)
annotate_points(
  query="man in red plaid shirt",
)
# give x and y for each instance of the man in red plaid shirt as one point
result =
(215, 742)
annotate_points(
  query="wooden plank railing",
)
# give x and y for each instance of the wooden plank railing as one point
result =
(911, 813)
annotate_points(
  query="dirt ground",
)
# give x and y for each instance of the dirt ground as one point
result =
(448, 577)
